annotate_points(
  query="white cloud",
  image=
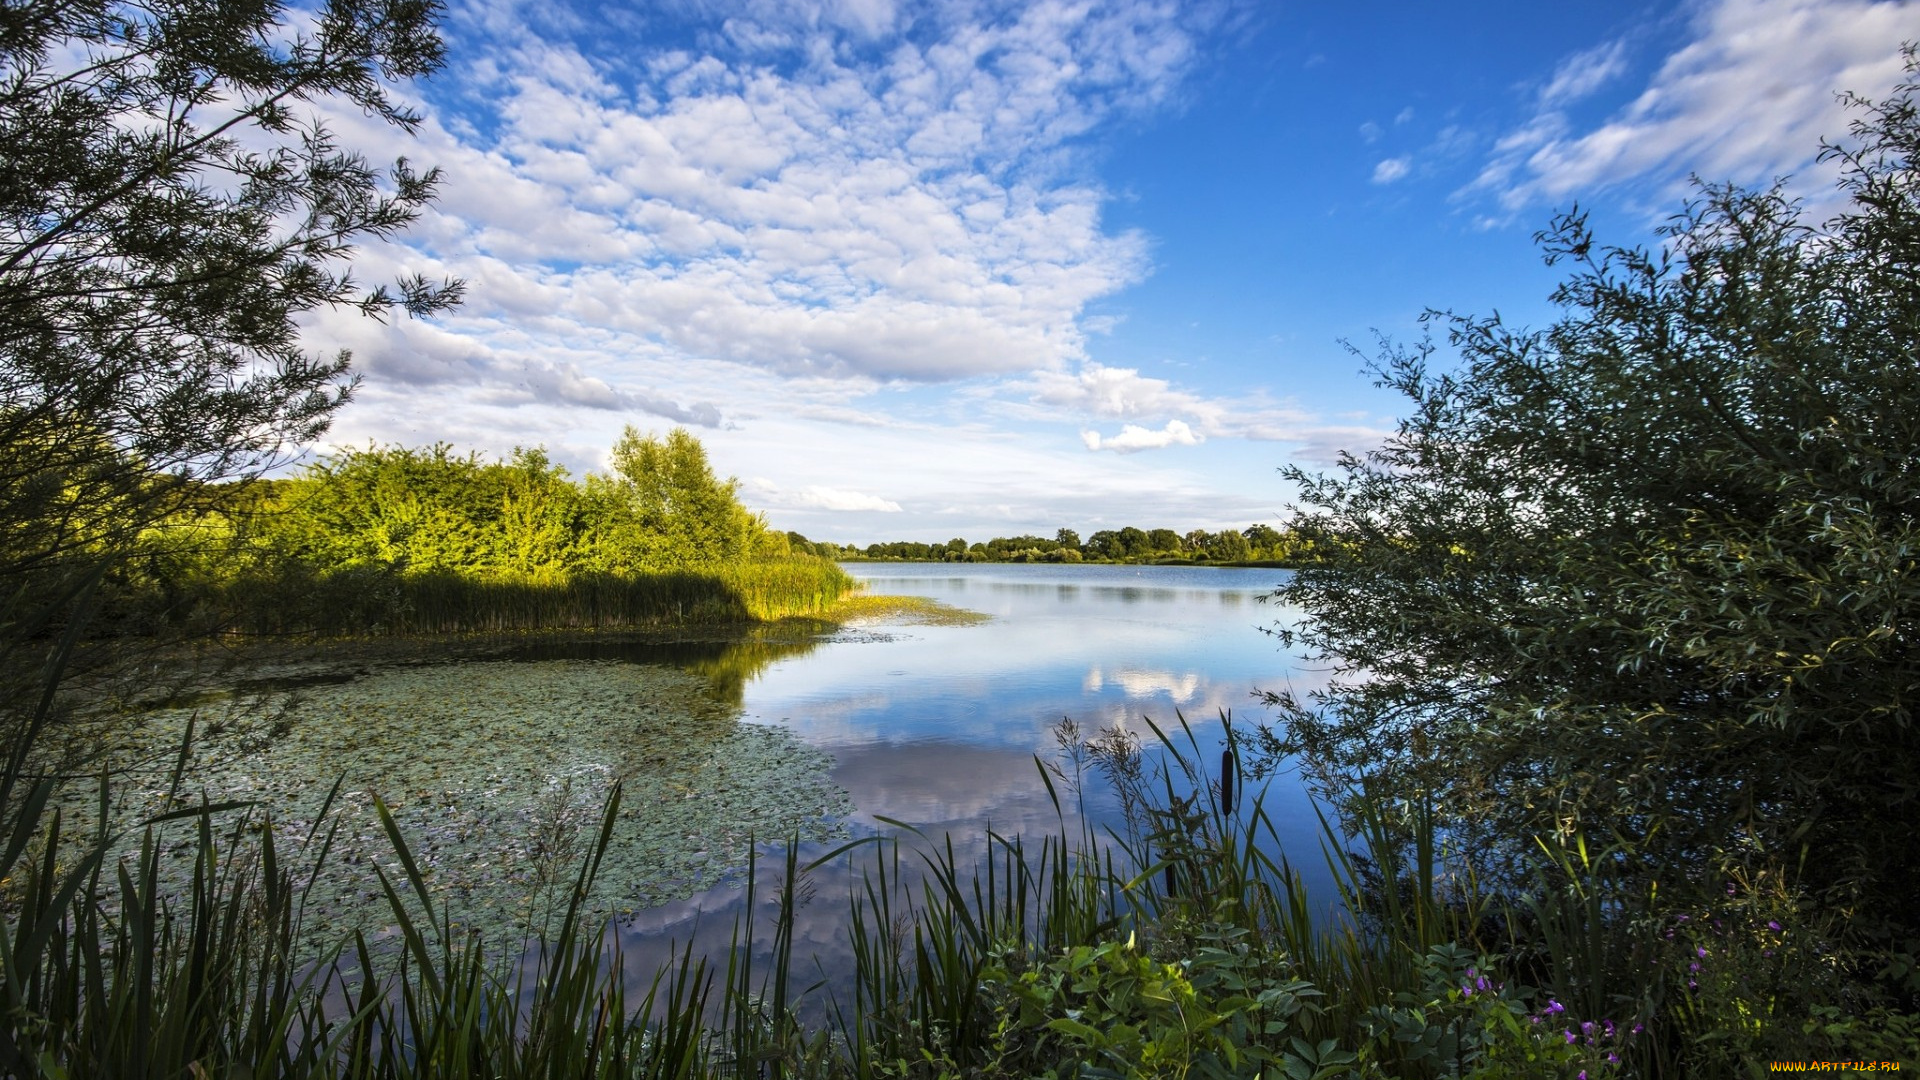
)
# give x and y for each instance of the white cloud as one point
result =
(1581, 74)
(1747, 99)
(1391, 169)
(1133, 438)
(766, 492)
(811, 190)
(1113, 392)
(826, 498)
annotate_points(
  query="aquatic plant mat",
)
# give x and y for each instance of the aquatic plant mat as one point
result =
(495, 770)
(860, 610)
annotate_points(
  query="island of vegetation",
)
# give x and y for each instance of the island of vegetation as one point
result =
(1619, 745)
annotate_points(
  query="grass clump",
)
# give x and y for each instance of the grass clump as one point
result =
(868, 609)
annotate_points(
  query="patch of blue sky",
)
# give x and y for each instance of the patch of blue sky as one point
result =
(918, 267)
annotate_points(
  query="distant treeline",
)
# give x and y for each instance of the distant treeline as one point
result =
(1256, 543)
(429, 540)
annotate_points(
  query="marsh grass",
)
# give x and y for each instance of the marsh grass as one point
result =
(368, 600)
(1180, 943)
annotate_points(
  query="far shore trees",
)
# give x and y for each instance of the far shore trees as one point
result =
(1259, 543)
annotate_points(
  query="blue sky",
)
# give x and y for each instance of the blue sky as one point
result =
(916, 270)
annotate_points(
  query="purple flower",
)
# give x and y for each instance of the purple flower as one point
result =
(1569, 1036)
(1703, 952)
(1554, 1006)
(1637, 1029)
(1773, 926)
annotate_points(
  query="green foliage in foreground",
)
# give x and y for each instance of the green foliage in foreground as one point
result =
(1177, 949)
(1652, 577)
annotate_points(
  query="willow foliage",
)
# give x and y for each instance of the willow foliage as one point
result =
(1650, 574)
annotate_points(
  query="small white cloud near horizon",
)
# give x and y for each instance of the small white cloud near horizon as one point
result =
(1134, 438)
(826, 498)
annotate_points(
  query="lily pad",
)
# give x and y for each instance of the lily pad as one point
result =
(497, 773)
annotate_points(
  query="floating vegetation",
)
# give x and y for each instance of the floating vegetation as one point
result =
(868, 609)
(496, 772)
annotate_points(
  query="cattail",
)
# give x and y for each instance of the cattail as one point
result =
(1226, 781)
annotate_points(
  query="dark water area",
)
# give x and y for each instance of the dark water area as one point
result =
(939, 726)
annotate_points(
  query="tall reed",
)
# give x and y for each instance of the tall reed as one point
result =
(1180, 943)
(361, 600)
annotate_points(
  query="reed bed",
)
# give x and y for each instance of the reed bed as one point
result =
(359, 601)
(1179, 945)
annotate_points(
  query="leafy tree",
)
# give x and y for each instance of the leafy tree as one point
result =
(168, 207)
(1067, 538)
(1263, 540)
(1650, 574)
(1228, 546)
(665, 509)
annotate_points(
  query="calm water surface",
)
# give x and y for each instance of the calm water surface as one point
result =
(938, 726)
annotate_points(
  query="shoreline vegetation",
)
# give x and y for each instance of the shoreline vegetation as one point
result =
(1257, 545)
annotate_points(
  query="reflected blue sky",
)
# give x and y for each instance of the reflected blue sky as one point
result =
(939, 726)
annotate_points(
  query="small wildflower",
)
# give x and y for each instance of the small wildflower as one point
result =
(1773, 925)
(1554, 1006)
(1703, 952)
(1569, 1034)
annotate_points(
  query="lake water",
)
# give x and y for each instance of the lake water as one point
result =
(496, 762)
(938, 726)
